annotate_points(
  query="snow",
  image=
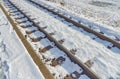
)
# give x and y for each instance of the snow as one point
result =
(82, 14)
(60, 71)
(106, 61)
(26, 23)
(15, 60)
(19, 16)
(37, 34)
(22, 20)
(84, 77)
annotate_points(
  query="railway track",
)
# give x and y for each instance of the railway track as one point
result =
(15, 11)
(78, 24)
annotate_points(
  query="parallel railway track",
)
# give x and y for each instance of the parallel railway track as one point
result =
(78, 24)
(86, 70)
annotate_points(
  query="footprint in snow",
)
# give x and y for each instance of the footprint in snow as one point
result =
(19, 76)
(5, 65)
(3, 49)
(3, 21)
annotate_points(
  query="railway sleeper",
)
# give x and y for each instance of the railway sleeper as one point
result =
(117, 39)
(36, 22)
(60, 60)
(43, 50)
(68, 77)
(101, 32)
(29, 15)
(32, 18)
(57, 61)
(12, 11)
(47, 60)
(30, 32)
(11, 8)
(36, 39)
(24, 11)
(25, 26)
(44, 27)
(61, 41)
(21, 21)
(110, 46)
(8, 4)
(14, 14)
(89, 63)
(93, 38)
(18, 17)
(52, 33)
(73, 51)
(75, 75)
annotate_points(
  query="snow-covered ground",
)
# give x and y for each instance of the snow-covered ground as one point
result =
(15, 62)
(106, 61)
(102, 12)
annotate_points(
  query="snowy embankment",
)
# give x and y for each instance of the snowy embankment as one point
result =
(105, 57)
(15, 62)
